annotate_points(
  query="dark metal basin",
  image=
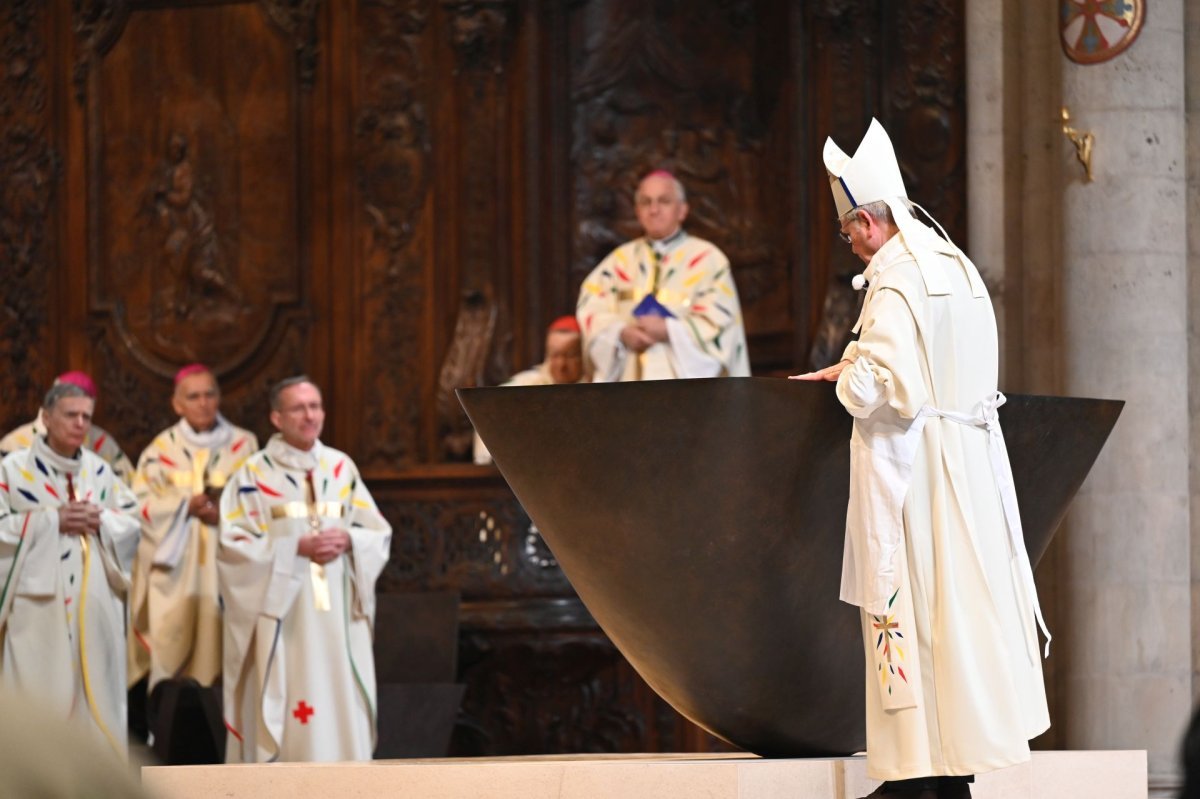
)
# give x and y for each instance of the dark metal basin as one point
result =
(701, 522)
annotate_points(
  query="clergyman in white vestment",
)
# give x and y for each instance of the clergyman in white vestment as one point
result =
(68, 533)
(98, 440)
(175, 613)
(663, 305)
(564, 363)
(935, 555)
(302, 544)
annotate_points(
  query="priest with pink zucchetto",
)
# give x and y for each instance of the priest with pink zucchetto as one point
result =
(176, 627)
(98, 440)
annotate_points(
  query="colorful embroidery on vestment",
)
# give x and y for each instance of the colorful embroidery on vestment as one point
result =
(887, 643)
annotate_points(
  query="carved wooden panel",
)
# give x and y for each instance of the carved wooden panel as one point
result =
(392, 224)
(481, 546)
(195, 223)
(197, 203)
(542, 678)
(30, 174)
(701, 89)
(903, 63)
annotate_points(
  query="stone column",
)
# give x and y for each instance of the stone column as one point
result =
(1192, 100)
(1092, 281)
(1125, 624)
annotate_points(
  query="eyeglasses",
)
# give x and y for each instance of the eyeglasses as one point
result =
(850, 216)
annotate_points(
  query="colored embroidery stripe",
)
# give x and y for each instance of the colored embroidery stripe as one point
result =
(29, 496)
(337, 470)
(270, 492)
(41, 466)
(349, 651)
(698, 259)
(16, 559)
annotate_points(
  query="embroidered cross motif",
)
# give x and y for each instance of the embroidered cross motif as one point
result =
(303, 711)
(885, 625)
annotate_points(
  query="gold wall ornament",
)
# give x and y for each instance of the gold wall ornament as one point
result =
(1083, 141)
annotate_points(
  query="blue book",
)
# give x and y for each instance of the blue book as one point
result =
(651, 306)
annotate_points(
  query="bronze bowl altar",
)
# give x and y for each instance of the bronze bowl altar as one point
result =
(701, 523)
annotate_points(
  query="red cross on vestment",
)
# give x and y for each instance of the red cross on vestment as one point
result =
(302, 712)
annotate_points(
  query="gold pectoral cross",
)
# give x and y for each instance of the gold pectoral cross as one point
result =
(199, 465)
(650, 290)
(320, 581)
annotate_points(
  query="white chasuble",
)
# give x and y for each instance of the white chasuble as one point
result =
(175, 612)
(933, 542)
(299, 676)
(687, 276)
(62, 597)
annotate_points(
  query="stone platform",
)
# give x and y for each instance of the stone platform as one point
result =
(1050, 775)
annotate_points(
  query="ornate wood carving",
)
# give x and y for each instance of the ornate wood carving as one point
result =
(298, 19)
(533, 693)
(30, 171)
(190, 259)
(97, 24)
(483, 548)
(925, 100)
(693, 88)
(392, 178)
(913, 60)
(463, 367)
(480, 34)
(480, 31)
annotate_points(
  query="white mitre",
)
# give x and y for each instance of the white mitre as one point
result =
(873, 175)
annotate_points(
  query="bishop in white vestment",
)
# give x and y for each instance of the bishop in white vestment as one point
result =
(68, 533)
(664, 305)
(98, 440)
(935, 555)
(176, 616)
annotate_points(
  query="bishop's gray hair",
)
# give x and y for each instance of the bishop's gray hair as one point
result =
(879, 210)
(61, 390)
